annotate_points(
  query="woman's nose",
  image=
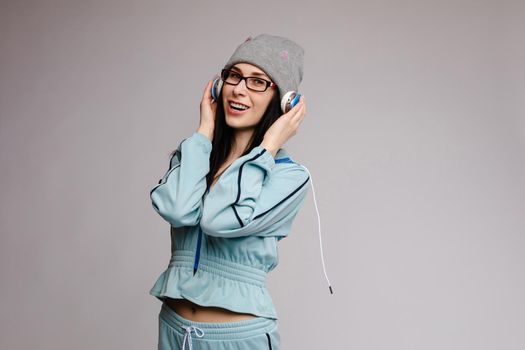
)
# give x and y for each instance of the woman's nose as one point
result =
(240, 88)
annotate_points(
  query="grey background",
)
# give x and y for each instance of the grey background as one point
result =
(414, 135)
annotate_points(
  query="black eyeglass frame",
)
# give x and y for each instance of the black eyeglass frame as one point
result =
(268, 83)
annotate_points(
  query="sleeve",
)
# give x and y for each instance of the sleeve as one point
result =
(255, 197)
(178, 195)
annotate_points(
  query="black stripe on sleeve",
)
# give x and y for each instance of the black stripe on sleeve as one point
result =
(239, 192)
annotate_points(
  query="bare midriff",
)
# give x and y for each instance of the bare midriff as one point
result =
(198, 313)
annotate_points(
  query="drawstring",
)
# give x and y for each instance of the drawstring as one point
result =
(319, 221)
(187, 336)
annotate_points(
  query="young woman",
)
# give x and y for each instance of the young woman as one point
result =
(230, 194)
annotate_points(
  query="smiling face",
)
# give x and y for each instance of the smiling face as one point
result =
(257, 102)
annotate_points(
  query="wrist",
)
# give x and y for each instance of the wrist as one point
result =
(205, 132)
(270, 147)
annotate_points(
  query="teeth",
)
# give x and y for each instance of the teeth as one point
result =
(237, 105)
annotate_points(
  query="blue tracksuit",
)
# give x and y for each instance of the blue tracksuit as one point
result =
(224, 239)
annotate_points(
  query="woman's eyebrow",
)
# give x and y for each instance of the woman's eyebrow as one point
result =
(254, 73)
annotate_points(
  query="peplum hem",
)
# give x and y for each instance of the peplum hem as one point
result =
(217, 282)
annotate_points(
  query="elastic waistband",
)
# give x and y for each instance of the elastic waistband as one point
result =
(221, 267)
(218, 330)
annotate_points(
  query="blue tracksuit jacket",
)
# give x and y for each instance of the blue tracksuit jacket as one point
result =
(224, 239)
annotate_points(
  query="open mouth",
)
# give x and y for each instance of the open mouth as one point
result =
(238, 106)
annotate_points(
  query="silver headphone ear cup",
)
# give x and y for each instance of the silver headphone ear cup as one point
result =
(216, 88)
(289, 100)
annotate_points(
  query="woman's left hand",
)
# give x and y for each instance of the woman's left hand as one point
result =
(284, 128)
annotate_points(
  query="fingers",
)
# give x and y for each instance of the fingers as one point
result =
(206, 96)
(206, 92)
(298, 111)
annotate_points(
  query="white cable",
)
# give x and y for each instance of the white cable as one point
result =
(320, 240)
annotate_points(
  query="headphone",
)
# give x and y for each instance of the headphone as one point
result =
(289, 100)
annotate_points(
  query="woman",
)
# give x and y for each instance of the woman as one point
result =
(230, 194)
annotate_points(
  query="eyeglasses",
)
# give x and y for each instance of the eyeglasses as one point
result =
(256, 84)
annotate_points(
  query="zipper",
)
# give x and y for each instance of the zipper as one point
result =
(197, 252)
(199, 244)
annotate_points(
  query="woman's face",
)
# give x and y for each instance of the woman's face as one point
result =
(257, 102)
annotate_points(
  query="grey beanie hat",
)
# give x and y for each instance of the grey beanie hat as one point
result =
(280, 58)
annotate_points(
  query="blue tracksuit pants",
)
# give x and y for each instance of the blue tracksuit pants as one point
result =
(179, 333)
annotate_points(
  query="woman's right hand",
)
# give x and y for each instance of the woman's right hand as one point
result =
(208, 108)
(284, 128)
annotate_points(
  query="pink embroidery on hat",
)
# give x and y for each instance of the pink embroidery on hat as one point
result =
(284, 55)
